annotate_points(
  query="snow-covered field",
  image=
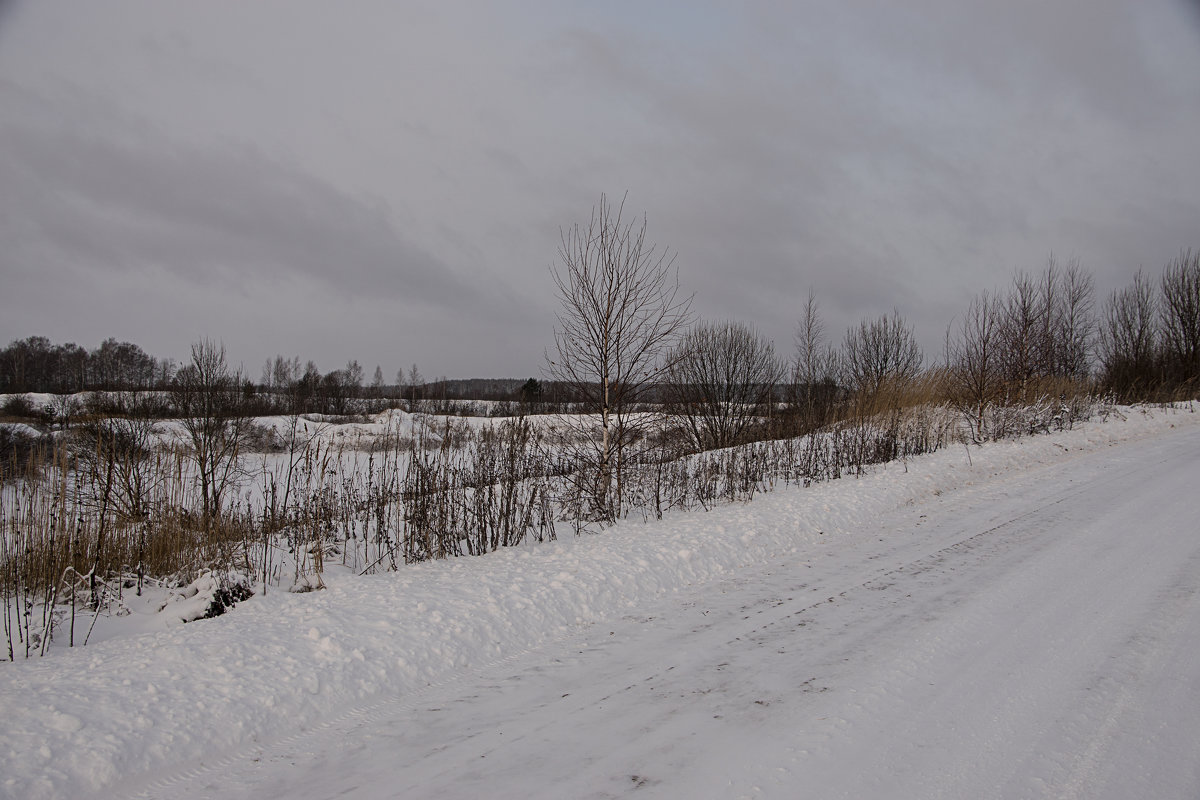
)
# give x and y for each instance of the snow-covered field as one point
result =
(1022, 620)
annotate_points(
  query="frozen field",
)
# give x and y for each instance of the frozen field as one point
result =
(1024, 622)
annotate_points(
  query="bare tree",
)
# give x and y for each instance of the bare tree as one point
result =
(814, 373)
(377, 382)
(415, 383)
(1047, 328)
(1128, 337)
(285, 373)
(305, 387)
(621, 313)
(879, 352)
(720, 376)
(1022, 326)
(1180, 312)
(1075, 323)
(66, 408)
(208, 396)
(115, 454)
(353, 380)
(973, 357)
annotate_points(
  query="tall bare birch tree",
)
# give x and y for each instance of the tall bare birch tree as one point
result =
(814, 371)
(621, 314)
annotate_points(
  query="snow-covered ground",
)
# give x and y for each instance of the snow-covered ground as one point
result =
(1019, 621)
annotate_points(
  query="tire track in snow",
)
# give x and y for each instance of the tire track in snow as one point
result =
(358, 716)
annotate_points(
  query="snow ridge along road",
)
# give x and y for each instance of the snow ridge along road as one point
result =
(1024, 626)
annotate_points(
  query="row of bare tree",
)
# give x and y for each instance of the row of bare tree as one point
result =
(1149, 339)
(35, 364)
(1016, 346)
(626, 333)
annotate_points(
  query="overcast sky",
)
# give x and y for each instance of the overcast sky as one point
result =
(385, 181)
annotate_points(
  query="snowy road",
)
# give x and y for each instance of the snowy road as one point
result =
(1033, 635)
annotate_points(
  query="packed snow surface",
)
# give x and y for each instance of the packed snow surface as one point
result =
(1019, 620)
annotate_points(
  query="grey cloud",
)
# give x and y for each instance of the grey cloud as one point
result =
(205, 214)
(905, 154)
(884, 154)
(112, 229)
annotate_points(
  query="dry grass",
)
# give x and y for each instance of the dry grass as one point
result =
(93, 521)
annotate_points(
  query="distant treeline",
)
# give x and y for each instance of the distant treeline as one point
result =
(36, 364)
(1141, 343)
